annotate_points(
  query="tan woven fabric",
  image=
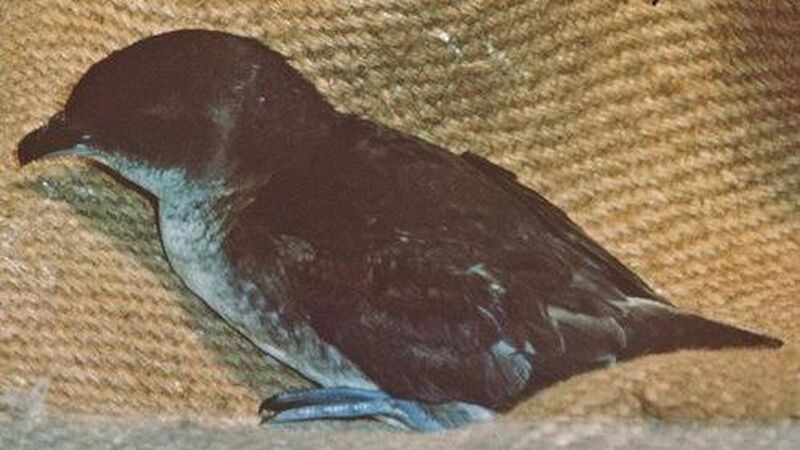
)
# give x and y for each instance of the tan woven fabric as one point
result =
(671, 132)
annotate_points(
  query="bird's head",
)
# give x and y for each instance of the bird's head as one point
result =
(202, 106)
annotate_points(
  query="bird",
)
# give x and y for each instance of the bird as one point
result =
(408, 283)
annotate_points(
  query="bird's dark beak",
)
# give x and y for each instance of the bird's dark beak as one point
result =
(53, 139)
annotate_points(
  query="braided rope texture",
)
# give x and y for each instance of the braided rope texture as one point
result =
(670, 132)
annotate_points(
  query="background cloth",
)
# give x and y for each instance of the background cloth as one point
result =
(670, 132)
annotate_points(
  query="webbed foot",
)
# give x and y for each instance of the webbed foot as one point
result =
(353, 403)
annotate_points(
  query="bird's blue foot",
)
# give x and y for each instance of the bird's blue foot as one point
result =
(347, 403)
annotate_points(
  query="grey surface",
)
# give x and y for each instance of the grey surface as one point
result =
(102, 434)
(26, 424)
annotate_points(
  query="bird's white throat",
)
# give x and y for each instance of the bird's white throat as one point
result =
(164, 183)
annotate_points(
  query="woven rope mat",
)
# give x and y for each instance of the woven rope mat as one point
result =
(671, 132)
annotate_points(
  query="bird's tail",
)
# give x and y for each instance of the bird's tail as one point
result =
(653, 327)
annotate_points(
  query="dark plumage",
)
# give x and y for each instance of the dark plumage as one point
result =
(420, 285)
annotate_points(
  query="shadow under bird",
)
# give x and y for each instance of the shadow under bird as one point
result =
(411, 284)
